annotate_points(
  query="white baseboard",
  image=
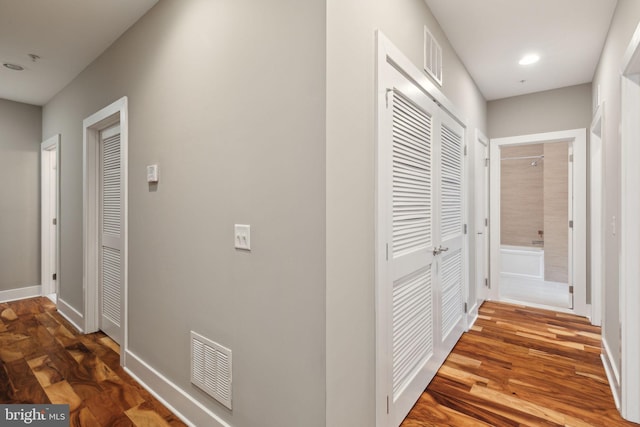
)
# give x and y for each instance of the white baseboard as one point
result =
(612, 372)
(20, 293)
(169, 394)
(472, 315)
(71, 314)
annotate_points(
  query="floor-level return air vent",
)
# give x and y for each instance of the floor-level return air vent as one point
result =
(211, 368)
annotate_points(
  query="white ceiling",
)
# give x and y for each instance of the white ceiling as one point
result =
(67, 35)
(491, 36)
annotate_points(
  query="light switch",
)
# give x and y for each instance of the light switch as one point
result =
(242, 236)
(152, 173)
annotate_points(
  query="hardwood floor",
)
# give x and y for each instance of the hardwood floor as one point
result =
(521, 367)
(45, 360)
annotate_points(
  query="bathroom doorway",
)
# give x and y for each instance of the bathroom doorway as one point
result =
(534, 218)
(538, 252)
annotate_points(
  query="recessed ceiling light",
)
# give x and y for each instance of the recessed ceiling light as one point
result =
(529, 59)
(14, 67)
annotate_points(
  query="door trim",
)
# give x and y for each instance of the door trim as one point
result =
(92, 125)
(479, 206)
(596, 176)
(46, 147)
(579, 139)
(630, 230)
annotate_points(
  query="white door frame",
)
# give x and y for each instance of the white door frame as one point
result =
(579, 139)
(481, 207)
(92, 125)
(630, 230)
(596, 176)
(46, 250)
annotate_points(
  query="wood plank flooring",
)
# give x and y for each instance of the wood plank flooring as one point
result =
(521, 366)
(45, 360)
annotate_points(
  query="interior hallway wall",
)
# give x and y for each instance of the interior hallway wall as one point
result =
(351, 53)
(228, 98)
(548, 111)
(607, 79)
(20, 138)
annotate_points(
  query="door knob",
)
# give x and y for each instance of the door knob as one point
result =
(438, 251)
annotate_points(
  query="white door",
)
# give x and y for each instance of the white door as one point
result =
(450, 234)
(408, 181)
(49, 212)
(111, 239)
(481, 195)
(421, 258)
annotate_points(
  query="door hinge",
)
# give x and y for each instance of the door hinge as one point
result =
(486, 283)
(465, 308)
(571, 224)
(486, 222)
(387, 96)
(465, 150)
(55, 221)
(486, 162)
(464, 229)
(571, 289)
(54, 276)
(387, 251)
(571, 158)
(387, 404)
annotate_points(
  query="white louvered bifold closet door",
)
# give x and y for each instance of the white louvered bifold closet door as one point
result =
(410, 252)
(111, 241)
(451, 235)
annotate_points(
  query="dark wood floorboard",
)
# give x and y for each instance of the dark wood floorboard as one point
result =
(45, 360)
(521, 366)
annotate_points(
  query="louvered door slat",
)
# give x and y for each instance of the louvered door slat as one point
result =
(451, 283)
(111, 191)
(412, 326)
(411, 176)
(451, 183)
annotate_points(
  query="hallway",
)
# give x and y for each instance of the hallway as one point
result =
(521, 366)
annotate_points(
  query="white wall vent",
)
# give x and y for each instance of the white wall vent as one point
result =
(211, 368)
(432, 56)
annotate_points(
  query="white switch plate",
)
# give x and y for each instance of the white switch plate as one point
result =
(152, 173)
(242, 236)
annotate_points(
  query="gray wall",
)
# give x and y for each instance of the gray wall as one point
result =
(549, 111)
(20, 138)
(350, 183)
(607, 77)
(228, 98)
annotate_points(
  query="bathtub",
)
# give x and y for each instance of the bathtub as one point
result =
(522, 261)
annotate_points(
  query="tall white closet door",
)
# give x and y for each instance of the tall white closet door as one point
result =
(450, 235)
(111, 239)
(409, 223)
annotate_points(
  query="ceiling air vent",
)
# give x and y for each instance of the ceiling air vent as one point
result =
(211, 368)
(432, 56)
